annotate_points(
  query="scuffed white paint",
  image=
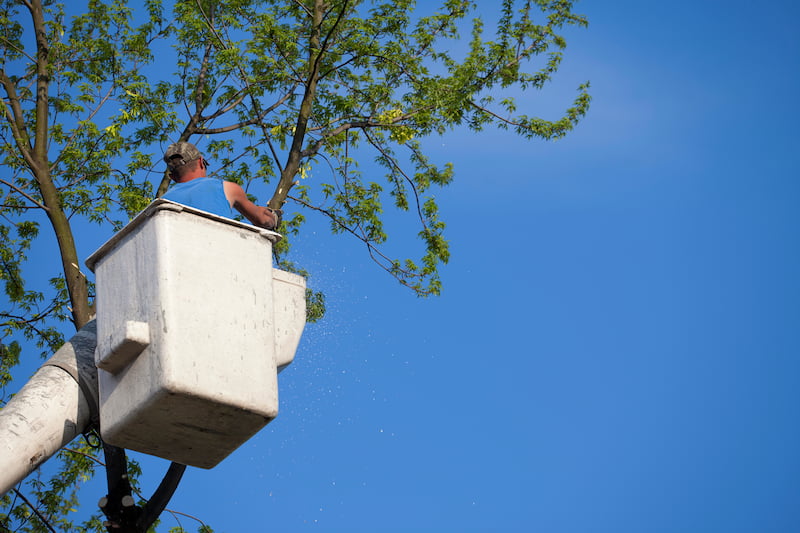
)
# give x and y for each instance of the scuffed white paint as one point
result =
(50, 410)
(193, 326)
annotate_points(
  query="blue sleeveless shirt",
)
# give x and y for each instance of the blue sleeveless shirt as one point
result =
(206, 194)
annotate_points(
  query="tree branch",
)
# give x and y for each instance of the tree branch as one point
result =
(75, 133)
(35, 510)
(397, 167)
(16, 120)
(316, 50)
(20, 51)
(157, 503)
(26, 195)
(375, 254)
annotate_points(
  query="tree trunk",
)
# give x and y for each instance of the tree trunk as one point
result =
(316, 52)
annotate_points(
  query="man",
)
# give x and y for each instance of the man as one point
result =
(187, 168)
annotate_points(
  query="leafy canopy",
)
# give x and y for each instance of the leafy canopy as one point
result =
(319, 107)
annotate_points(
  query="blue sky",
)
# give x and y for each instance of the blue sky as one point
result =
(616, 346)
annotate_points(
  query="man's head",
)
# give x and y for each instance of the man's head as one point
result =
(182, 158)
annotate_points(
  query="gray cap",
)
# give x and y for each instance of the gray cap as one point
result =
(180, 153)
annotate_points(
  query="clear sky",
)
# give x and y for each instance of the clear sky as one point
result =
(617, 345)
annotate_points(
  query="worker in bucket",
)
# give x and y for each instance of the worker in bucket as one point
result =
(187, 168)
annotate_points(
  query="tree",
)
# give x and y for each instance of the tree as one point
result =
(290, 98)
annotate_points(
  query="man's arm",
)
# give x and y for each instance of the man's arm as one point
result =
(260, 216)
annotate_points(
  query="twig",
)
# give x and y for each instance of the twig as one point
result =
(35, 510)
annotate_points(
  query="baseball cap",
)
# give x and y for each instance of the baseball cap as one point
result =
(180, 153)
